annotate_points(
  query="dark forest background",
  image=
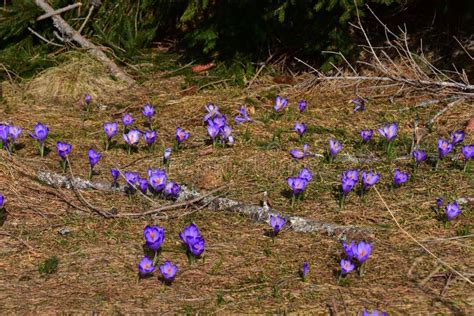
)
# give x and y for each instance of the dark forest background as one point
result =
(242, 32)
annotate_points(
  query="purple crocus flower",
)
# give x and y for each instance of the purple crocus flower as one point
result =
(4, 134)
(127, 119)
(132, 137)
(373, 313)
(143, 184)
(334, 147)
(149, 137)
(350, 249)
(193, 240)
(444, 147)
(352, 174)
(148, 111)
(131, 177)
(181, 135)
(172, 189)
(297, 184)
(115, 174)
(219, 121)
(242, 117)
(166, 155)
(110, 130)
(389, 131)
(305, 270)
(280, 103)
(299, 128)
(88, 99)
(94, 157)
(359, 104)
(305, 174)
(298, 153)
(457, 137)
(366, 135)
(347, 183)
(452, 210)
(302, 104)
(168, 271)
(439, 202)
(145, 266)
(2, 201)
(468, 151)
(399, 177)
(41, 132)
(14, 132)
(212, 129)
(225, 133)
(419, 156)
(212, 110)
(157, 179)
(154, 236)
(346, 266)
(363, 251)
(63, 149)
(369, 179)
(276, 222)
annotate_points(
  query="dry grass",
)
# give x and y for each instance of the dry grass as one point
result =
(242, 270)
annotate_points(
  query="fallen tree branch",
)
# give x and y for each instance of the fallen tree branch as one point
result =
(188, 197)
(94, 50)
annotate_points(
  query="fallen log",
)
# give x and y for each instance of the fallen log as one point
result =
(255, 212)
(92, 49)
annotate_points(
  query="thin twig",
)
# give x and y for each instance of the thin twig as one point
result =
(59, 11)
(91, 9)
(43, 38)
(418, 243)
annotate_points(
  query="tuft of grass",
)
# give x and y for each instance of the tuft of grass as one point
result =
(48, 266)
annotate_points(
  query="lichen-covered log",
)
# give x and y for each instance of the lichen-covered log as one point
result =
(255, 212)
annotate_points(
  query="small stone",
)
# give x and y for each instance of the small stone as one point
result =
(64, 231)
(470, 126)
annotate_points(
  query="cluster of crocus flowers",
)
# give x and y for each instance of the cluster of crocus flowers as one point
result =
(299, 183)
(193, 241)
(280, 103)
(355, 256)
(63, 150)
(154, 238)
(349, 179)
(94, 158)
(243, 116)
(217, 127)
(40, 133)
(276, 222)
(8, 136)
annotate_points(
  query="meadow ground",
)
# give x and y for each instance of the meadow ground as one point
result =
(94, 266)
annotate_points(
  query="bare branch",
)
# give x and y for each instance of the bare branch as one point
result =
(59, 11)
